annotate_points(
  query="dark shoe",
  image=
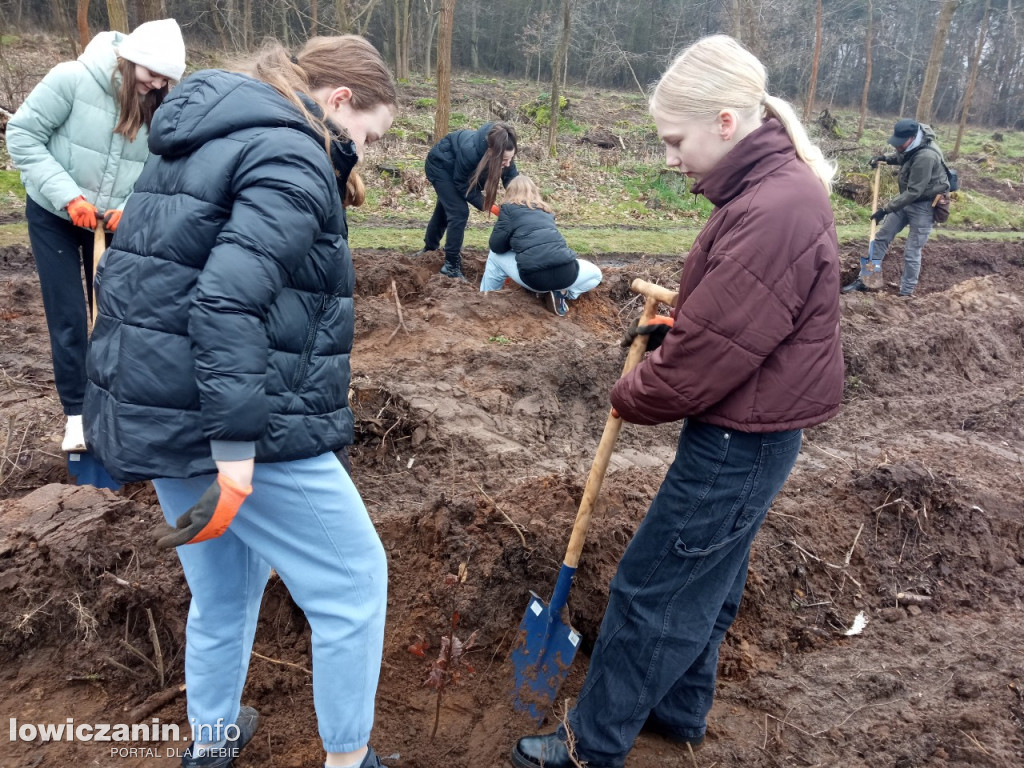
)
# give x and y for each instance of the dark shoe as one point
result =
(907, 296)
(424, 252)
(558, 303)
(856, 285)
(453, 271)
(658, 728)
(547, 751)
(224, 757)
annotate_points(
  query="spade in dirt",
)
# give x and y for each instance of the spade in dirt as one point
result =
(546, 644)
(83, 467)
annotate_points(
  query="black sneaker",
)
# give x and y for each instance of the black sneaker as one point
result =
(856, 285)
(559, 305)
(454, 272)
(371, 760)
(424, 252)
(224, 757)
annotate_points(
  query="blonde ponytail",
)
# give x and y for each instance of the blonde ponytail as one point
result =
(806, 150)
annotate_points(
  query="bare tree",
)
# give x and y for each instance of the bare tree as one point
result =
(931, 72)
(444, 69)
(83, 23)
(557, 69)
(812, 86)
(972, 80)
(867, 70)
(402, 25)
(117, 15)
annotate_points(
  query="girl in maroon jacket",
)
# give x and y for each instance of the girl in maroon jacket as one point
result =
(752, 358)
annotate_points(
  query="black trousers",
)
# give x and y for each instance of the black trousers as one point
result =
(451, 214)
(64, 257)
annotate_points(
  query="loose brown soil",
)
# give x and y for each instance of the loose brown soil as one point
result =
(477, 421)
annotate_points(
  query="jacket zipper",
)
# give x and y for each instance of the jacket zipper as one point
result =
(307, 349)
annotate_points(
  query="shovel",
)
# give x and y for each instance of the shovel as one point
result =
(545, 644)
(83, 467)
(872, 277)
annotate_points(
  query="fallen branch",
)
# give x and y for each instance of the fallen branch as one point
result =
(282, 663)
(910, 597)
(517, 527)
(154, 638)
(154, 702)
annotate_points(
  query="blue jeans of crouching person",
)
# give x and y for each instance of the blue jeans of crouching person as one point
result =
(677, 590)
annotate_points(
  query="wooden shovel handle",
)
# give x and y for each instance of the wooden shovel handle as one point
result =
(874, 200)
(99, 245)
(607, 444)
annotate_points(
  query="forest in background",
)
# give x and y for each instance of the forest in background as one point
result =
(899, 57)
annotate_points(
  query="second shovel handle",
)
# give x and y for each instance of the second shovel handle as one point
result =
(874, 200)
(606, 446)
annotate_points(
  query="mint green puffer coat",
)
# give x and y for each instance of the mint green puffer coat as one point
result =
(62, 137)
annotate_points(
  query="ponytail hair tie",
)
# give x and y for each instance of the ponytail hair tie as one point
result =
(295, 60)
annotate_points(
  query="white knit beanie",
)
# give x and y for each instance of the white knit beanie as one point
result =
(156, 45)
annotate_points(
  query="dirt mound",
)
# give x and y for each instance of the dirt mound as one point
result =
(477, 418)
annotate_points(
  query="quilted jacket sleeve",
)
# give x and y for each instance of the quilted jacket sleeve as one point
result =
(501, 235)
(283, 191)
(28, 133)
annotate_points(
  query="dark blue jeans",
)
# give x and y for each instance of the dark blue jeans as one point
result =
(62, 251)
(450, 217)
(677, 590)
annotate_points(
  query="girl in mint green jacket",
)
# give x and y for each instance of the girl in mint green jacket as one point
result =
(80, 140)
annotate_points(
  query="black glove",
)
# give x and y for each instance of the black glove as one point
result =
(655, 332)
(207, 518)
(874, 161)
(878, 215)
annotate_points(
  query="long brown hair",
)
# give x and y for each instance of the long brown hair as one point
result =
(522, 191)
(135, 110)
(343, 60)
(500, 139)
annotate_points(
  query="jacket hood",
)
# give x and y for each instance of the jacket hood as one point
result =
(212, 104)
(100, 59)
(755, 156)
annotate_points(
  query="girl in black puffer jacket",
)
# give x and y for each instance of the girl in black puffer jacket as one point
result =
(527, 247)
(219, 369)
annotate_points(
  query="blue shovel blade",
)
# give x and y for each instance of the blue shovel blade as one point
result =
(541, 656)
(85, 469)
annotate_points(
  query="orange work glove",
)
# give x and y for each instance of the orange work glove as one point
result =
(82, 213)
(208, 518)
(495, 210)
(655, 331)
(111, 219)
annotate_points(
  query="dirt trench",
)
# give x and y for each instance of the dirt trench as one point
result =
(477, 417)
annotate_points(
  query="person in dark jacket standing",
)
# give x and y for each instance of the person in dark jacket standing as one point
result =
(464, 168)
(527, 247)
(752, 358)
(922, 178)
(219, 368)
(79, 140)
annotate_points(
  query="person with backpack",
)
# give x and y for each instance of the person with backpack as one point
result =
(923, 181)
(219, 369)
(752, 357)
(464, 168)
(80, 140)
(525, 245)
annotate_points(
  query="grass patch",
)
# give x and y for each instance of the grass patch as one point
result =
(14, 234)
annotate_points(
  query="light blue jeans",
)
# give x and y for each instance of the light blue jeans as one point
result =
(919, 216)
(306, 520)
(502, 265)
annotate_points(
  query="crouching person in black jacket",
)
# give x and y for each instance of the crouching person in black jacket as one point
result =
(527, 247)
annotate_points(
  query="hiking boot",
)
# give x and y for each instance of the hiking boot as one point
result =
(548, 751)
(453, 271)
(558, 303)
(224, 757)
(856, 285)
(74, 436)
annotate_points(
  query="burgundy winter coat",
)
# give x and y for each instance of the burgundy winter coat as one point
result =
(755, 346)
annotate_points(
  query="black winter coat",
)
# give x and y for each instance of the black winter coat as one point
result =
(225, 300)
(457, 155)
(543, 259)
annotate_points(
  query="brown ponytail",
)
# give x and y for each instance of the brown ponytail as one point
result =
(500, 139)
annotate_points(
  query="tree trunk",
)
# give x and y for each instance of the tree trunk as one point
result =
(474, 42)
(150, 10)
(812, 86)
(83, 23)
(444, 69)
(247, 34)
(117, 16)
(867, 70)
(971, 81)
(341, 10)
(557, 68)
(313, 11)
(402, 25)
(931, 72)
